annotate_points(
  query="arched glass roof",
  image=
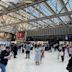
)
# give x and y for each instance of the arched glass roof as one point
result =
(20, 15)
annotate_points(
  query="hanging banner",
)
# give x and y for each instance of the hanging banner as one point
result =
(20, 35)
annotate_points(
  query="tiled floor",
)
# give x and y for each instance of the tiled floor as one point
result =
(49, 64)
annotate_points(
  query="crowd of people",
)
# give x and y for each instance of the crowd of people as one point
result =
(39, 53)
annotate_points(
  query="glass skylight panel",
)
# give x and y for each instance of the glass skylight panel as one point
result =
(38, 13)
(65, 1)
(40, 22)
(26, 14)
(9, 4)
(17, 16)
(52, 4)
(33, 23)
(65, 18)
(31, 27)
(32, 11)
(56, 20)
(22, 12)
(45, 21)
(69, 4)
(62, 7)
(14, 1)
(68, 7)
(44, 9)
(48, 21)
(30, 17)
(58, 8)
(36, 23)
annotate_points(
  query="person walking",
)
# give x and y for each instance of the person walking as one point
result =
(4, 59)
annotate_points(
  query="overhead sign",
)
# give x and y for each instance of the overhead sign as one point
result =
(20, 35)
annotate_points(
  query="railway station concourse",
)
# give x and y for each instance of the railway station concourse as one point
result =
(44, 22)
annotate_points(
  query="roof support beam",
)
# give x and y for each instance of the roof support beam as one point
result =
(33, 24)
(20, 6)
(42, 18)
(42, 13)
(66, 8)
(15, 17)
(3, 4)
(63, 7)
(19, 14)
(23, 5)
(33, 16)
(52, 11)
(6, 9)
(52, 16)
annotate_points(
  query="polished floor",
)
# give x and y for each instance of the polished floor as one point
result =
(49, 64)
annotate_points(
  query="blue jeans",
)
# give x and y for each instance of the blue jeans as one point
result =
(3, 67)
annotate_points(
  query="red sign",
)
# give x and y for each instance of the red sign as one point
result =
(20, 35)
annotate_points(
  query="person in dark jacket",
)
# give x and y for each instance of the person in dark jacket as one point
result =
(69, 66)
(4, 59)
(15, 49)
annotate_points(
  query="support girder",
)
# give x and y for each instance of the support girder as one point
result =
(52, 16)
(20, 6)
(42, 18)
(14, 12)
(32, 15)
(62, 5)
(66, 8)
(52, 11)
(15, 17)
(41, 13)
(23, 5)
(33, 25)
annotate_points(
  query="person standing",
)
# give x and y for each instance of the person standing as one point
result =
(4, 58)
(22, 49)
(42, 51)
(27, 50)
(15, 49)
(62, 55)
(59, 51)
(37, 55)
(64, 48)
(69, 66)
(67, 49)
